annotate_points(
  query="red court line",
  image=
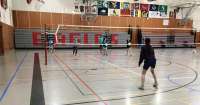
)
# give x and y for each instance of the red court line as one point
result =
(82, 81)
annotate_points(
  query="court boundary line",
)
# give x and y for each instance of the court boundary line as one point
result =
(73, 82)
(138, 96)
(82, 81)
(17, 69)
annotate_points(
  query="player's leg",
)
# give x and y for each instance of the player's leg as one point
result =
(127, 52)
(103, 50)
(106, 51)
(51, 48)
(100, 49)
(155, 78)
(142, 79)
(130, 51)
(76, 50)
(145, 68)
(73, 50)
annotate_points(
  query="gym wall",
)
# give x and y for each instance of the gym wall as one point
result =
(29, 20)
(6, 28)
(61, 12)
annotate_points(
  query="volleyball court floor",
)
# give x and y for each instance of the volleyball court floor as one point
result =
(92, 79)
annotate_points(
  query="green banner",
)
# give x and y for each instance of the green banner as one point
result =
(163, 8)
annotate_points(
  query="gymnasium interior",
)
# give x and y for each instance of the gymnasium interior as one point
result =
(52, 53)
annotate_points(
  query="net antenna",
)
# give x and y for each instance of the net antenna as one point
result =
(89, 10)
(186, 10)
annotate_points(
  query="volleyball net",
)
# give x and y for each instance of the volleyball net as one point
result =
(117, 37)
(68, 36)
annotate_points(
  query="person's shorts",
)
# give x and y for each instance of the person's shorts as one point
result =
(149, 63)
(75, 47)
(128, 46)
(100, 46)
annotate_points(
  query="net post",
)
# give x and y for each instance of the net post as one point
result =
(45, 33)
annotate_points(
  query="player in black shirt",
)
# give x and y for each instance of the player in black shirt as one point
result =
(148, 56)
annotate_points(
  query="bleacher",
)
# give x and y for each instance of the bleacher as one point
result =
(169, 40)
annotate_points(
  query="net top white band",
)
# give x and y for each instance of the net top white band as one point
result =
(108, 27)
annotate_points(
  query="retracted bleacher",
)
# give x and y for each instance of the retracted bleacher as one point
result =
(170, 39)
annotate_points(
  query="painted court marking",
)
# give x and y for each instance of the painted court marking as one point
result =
(137, 96)
(82, 81)
(13, 77)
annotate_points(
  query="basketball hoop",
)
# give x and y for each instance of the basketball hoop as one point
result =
(39, 4)
(42, 1)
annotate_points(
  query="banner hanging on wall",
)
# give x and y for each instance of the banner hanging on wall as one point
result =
(116, 8)
(114, 12)
(102, 6)
(113, 5)
(163, 10)
(82, 9)
(144, 10)
(153, 7)
(138, 13)
(154, 11)
(125, 9)
(132, 9)
(113, 8)
(76, 7)
(103, 11)
(136, 5)
(135, 10)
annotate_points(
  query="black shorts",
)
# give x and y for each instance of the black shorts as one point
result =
(75, 47)
(149, 63)
(128, 46)
(100, 46)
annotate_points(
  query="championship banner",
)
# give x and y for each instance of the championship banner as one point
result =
(113, 12)
(113, 5)
(133, 12)
(136, 6)
(102, 4)
(125, 9)
(114, 8)
(138, 13)
(163, 10)
(103, 11)
(102, 7)
(153, 7)
(144, 10)
(76, 7)
(154, 14)
(154, 11)
(82, 9)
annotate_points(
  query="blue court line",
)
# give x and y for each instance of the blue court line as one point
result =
(12, 78)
